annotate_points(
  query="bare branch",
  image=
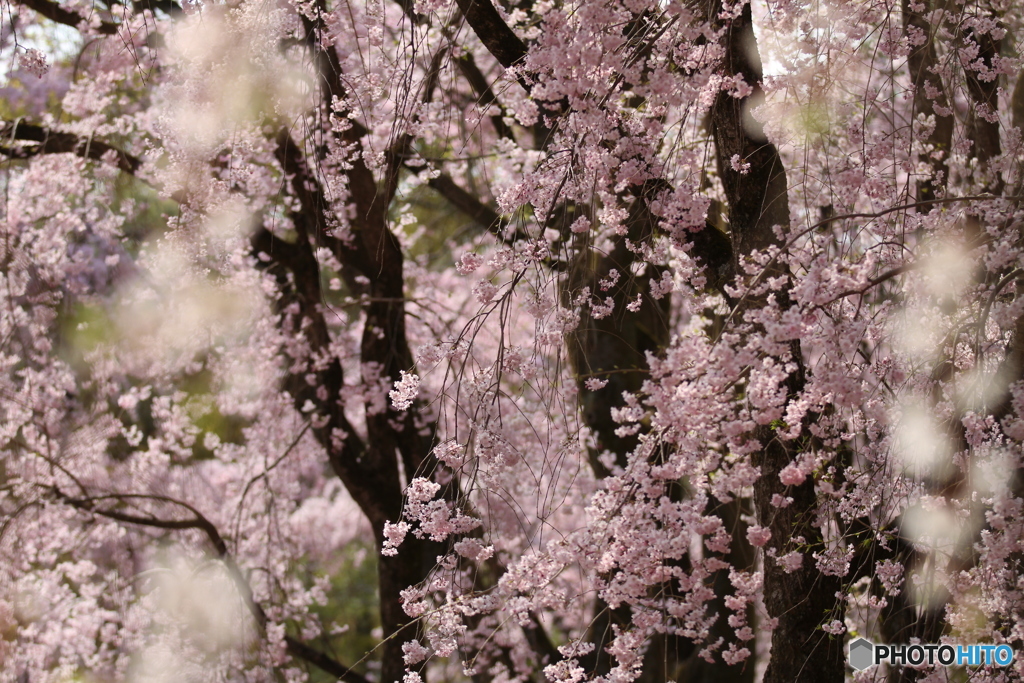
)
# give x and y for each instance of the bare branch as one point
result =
(167, 6)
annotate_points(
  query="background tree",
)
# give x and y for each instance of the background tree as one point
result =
(607, 340)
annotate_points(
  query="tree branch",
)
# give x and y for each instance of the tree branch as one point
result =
(479, 212)
(369, 469)
(304, 285)
(985, 134)
(923, 64)
(318, 659)
(198, 521)
(758, 200)
(311, 221)
(55, 12)
(888, 275)
(328, 68)
(483, 215)
(53, 142)
(477, 81)
(168, 7)
(493, 32)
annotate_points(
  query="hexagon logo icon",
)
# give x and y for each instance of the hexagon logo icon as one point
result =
(862, 654)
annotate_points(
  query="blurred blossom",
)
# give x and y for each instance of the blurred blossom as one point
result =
(159, 663)
(948, 272)
(226, 225)
(916, 336)
(201, 598)
(927, 582)
(979, 389)
(210, 605)
(931, 525)
(178, 308)
(234, 75)
(943, 277)
(989, 471)
(195, 613)
(936, 527)
(921, 444)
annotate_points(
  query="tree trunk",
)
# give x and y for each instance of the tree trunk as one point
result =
(801, 600)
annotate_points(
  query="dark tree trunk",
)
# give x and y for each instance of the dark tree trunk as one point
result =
(921, 62)
(801, 600)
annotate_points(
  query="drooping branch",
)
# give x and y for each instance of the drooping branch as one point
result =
(484, 216)
(297, 260)
(54, 142)
(328, 68)
(298, 273)
(400, 150)
(311, 220)
(467, 66)
(872, 283)
(615, 348)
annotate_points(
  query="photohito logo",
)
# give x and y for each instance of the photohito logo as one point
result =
(864, 653)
